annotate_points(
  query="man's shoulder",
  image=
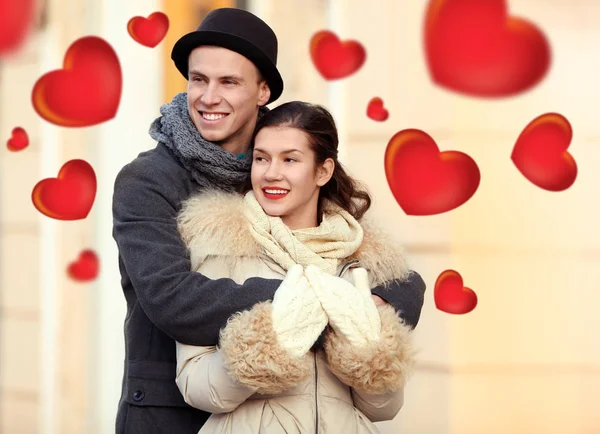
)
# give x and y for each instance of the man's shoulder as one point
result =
(157, 164)
(159, 158)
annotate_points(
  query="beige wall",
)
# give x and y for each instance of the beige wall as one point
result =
(20, 240)
(526, 360)
(44, 315)
(61, 345)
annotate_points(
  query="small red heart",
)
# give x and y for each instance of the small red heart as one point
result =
(85, 268)
(16, 21)
(87, 91)
(425, 181)
(18, 141)
(541, 153)
(376, 111)
(70, 196)
(451, 296)
(474, 47)
(335, 59)
(149, 31)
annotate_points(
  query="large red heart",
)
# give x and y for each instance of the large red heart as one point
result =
(335, 59)
(18, 141)
(87, 91)
(70, 196)
(16, 19)
(541, 153)
(149, 31)
(474, 47)
(85, 268)
(424, 180)
(376, 110)
(451, 296)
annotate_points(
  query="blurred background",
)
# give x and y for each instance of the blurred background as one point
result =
(526, 360)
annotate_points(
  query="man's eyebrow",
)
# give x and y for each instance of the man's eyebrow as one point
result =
(287, 151)
(225, 77)
(232, 77)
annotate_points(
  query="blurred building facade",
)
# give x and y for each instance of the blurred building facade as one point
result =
(527, 359)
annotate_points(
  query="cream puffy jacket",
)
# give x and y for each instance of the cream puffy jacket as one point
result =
(249, 383)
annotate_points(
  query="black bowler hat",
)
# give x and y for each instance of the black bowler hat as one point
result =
(237, 30)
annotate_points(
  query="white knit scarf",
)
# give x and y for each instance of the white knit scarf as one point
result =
(338, 236)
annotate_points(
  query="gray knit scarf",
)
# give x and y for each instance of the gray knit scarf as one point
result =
(209, 164)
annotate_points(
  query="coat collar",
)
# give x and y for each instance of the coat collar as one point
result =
(213, 223)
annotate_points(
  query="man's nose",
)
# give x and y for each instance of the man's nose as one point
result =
(211, 95)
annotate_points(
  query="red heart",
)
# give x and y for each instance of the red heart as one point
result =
(149, 31)
(85, 268)
(424, 180)
(335, 59)
(451, 296)
(88, 90)
(18, 141)
(16, 20)
(68, 197)
(474, 47)
(541, 153)
(376, 111)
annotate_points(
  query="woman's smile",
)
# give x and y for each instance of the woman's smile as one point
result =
(274, 193)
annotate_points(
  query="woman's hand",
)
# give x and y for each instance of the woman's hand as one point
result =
(350, 308)
(298, 318)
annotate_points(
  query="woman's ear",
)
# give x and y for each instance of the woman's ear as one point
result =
(325, 172)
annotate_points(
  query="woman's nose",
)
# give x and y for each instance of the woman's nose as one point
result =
(273, 172)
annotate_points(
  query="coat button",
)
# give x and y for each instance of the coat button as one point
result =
(138, 395)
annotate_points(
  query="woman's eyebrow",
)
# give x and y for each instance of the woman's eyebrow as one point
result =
(287, 151)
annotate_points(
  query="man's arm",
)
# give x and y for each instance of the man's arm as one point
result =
(406, 296)
(185, 305)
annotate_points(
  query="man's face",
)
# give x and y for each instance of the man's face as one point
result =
(224, 93)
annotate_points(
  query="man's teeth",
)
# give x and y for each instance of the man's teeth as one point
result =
(212, 117)
(276, 191)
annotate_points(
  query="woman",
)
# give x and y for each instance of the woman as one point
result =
(299, 220)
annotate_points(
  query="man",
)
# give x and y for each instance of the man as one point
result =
(230, 63)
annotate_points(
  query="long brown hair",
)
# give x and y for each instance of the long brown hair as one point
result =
(318, 124)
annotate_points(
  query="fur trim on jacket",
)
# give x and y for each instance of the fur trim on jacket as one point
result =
(380, 369)
(213, 223)
(253, 356)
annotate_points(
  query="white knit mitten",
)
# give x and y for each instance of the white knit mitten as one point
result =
(298, 317)
(350, 308)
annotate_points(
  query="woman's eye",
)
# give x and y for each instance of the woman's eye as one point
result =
(289, 159)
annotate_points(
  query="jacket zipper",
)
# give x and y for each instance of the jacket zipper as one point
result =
(344, 268)
(316, 396)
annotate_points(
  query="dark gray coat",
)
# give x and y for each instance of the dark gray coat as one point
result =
(166, 302)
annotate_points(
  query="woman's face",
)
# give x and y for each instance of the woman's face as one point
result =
(285, 179)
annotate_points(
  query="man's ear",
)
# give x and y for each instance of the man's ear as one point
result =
(264, 93)
(325, 172)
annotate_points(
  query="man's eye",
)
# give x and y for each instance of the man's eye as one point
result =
(198, 79)
(289, 159)
(229, 82)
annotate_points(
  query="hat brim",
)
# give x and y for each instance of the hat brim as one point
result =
(184, 46)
